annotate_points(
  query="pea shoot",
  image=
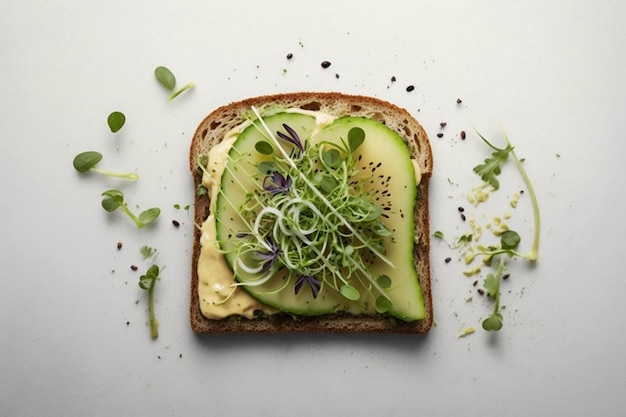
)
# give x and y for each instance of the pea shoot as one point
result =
(147, 282)
(114, 199)
(87, 161)
(167, 79)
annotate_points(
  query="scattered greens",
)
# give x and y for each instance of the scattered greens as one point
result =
(147, 282)
(114, 199)
(116, 120)
(88, 160)
(167, 79)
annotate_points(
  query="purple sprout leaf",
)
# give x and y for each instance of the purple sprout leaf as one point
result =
(291, 137)
(313, 282)
(276, 183)
(269, 257)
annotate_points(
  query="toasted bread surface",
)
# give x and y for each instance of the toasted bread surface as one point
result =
(218, 123)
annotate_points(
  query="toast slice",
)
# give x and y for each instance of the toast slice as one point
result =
(212, 131)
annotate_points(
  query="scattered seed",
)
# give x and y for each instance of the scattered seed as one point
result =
(439, 135)
(442, 124)
(128, 323)
(175, 223)
(480, 291)
(410, 88)
(289, 55)
(448, 259)
(506, 276)
(463, 134)
(461, 209)
(459, 101)
(325, 64)
(337, 76)
(393, 79)
(463, 217)
(119, 245)
(133, 267)
(475, 283)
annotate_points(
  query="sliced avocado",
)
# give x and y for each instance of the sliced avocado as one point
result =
(386, 176)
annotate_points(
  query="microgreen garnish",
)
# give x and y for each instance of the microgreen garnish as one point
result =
(167, 79)
(147, 252)
(147, 282)
(114, 199)
(492, 284)
(86, 161)
(311, 216)
(116, 120)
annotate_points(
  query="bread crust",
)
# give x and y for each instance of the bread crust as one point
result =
(219, 122)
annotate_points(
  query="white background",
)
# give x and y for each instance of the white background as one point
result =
(73, 334)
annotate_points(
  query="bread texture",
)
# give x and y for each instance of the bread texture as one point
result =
(213, 129)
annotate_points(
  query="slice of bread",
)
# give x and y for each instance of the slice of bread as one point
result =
(212, 130)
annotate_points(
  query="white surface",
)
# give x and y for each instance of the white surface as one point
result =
(550, 73)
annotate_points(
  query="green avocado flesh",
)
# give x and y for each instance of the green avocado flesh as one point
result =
(384, 172)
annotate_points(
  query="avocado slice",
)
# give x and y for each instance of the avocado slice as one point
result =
(383, 177)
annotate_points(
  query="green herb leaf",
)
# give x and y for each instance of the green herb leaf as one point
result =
(356, 136)
(384, 281)
(510, 240)
(267, 167)
(165, 77)
(438, 234)
(116, 120)
(492, 285)
(332, 158)
(493, 322)
(350, 292)
(148, 216)
(263, 147)
(147, 251)
(382, 304)
(84, 161)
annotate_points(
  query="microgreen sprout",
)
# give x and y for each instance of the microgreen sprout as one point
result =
(311, 217)
(147, 251)
(87, 161)
(492, 284)
(147, 282)
(167, 79)
(114, 199)
(116, 120)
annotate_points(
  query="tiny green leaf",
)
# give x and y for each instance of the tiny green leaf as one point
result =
(267, 168)
(84, 161)
(332, 158)
(382, 304)
(492, 285)
(493, 322)
(328, 184)
(350, 292)
(384, 281)
(148, 216)
(147, 251)
(356, 136)
(110, 204)
(165, 77)
(263, 147)
(116, 120)
(438, 234)
(510, 239)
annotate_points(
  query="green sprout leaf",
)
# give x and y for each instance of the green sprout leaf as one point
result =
(510, 240)
(87, 161)
(116, 120)
(491, 168)
(384, 281)
(165, 77)
(114, 199)
(147, 251)
(84, 161)
(332, 158)
(356, 137)
(147, 282)
(186, 87)
(382, 304)
(493, 322)
(492, 285)
(439, 234)
(263, 147)
(350, 292)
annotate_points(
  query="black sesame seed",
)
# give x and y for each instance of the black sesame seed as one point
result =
(461, 209)
(119, 245)
(393, 79)
(463, 217)
(506, 276)
(439, 135)
(325, 64)
(133, 267)
(475, 283)
(442, 124)
(463, 134)
(448, 259)
(459, 101)
(175, 223)
(480, 291)
(410, 88)
(289, 55)
(337, 76)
